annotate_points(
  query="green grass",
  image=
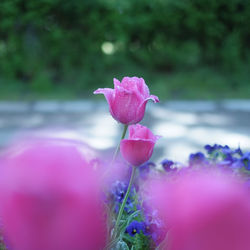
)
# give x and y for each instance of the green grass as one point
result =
(200, 83)
(203, 83)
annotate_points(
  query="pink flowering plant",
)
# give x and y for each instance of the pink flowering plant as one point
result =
(127, 101)
(61, 194)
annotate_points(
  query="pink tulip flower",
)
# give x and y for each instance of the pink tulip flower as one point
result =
(203, 211)
(50, 199)
(127, 101)
(138, 148)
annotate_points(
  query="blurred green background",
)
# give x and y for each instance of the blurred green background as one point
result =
(186, 49)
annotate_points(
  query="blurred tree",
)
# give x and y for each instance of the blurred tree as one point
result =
(53, 40)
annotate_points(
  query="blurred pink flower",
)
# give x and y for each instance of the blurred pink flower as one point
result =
(139, 147)
(203, 211)
(127, 101)
(50, 199)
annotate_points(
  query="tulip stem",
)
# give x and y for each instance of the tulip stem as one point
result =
(118, 146)
(124, 202)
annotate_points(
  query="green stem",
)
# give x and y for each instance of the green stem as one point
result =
(118, 146)
(124, 202)
(116, 152)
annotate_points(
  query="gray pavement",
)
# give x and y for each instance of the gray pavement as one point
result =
(186, 126)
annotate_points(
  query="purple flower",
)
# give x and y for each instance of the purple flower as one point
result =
(241, 162)
(224, 149)
(197, 158)
(238, 151)
(229, 159)
(154, 226)
(210, 149)
(245, 159)
(135, 227)
(237, 164)
(118, 192)
(166, 164)
(145, 168)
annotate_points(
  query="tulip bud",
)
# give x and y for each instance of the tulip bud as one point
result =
(138, 148)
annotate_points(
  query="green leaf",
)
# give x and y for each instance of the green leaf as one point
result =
(111, 244)
(132, 216)
(128, 238)
(141, 242)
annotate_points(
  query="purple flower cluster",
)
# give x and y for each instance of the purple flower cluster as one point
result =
(152, 227)
(216, 155)
(149, 223)
(224, 156)
(118, 192)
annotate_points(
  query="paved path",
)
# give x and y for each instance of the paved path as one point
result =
(185, 126)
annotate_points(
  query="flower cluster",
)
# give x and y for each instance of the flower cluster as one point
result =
(204, 170)
(224, 156)
(55, 196)
(215, 156)
(118, 191)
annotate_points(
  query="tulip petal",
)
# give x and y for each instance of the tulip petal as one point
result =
(142, 87)
(135, 84)
(124, 106)
(109, 95)
(142, 107)
(133, 131)
(136, 152)
(130, 83)
(154, 98)
(117, 83)
(138, 131)
(107, 92)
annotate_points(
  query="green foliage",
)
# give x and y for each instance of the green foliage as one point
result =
(48, 43)
(122, 245)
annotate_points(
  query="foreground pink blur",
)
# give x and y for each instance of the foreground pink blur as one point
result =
(203, 211)
(50, 199)
(127, 101)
